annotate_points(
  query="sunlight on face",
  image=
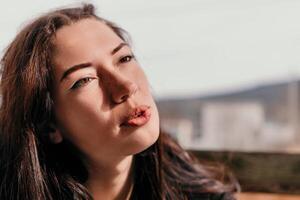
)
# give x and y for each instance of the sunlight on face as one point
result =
(102, 100)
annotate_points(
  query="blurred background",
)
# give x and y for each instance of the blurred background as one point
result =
(225, 74)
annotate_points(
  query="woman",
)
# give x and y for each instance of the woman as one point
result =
(78, 120)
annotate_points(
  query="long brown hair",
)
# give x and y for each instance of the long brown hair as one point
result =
(33, 168)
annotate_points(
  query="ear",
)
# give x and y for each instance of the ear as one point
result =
(55, 136)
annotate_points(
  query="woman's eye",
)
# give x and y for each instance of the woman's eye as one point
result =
(81, 82)
(126, 59)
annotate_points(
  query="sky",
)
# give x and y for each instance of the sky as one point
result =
(193, 47)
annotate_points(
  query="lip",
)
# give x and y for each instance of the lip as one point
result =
(137, 116)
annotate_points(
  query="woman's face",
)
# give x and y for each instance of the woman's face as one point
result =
(102, 100)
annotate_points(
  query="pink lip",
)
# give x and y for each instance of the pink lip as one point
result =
(138, 116)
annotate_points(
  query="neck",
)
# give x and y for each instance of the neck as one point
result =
(112, 180)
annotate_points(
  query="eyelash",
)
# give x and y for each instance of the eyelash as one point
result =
(86, 80)
(81, 82)
(124, 59)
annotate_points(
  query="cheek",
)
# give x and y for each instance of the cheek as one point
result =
(85, 128)
(142, 82)
(81, 111)
(86, 99)
(145, 90)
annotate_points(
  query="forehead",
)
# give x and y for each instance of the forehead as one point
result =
(79, 39)
(83, 29)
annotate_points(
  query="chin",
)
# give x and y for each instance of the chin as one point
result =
(142, 138)
(144, 143)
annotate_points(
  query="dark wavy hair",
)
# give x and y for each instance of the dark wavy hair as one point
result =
(32, 168)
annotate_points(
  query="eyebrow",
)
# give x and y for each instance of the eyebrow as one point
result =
(73, 69)
(88, 64)
(115, 50)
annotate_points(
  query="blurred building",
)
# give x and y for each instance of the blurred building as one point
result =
(263, 118)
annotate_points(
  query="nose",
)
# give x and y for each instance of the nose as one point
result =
(124, 91)
(121, 88)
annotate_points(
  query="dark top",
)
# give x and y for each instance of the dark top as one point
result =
(222, 196)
